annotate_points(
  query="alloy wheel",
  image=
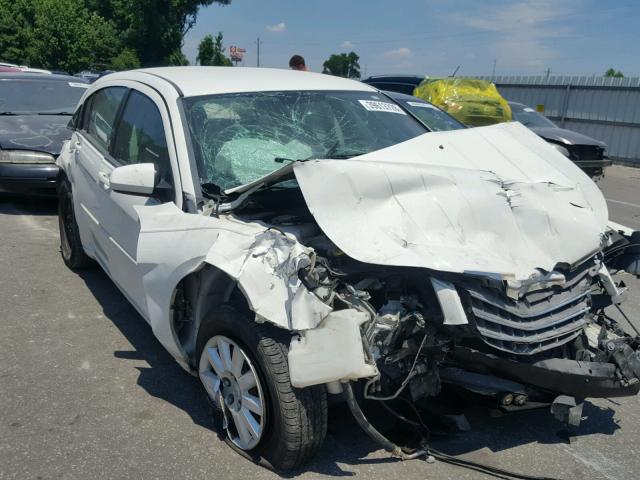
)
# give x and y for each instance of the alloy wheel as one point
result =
(232, 382)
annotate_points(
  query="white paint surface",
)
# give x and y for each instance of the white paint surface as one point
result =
(495, 201)
(331, 352)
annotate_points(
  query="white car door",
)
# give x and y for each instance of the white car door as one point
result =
(139, 135)
(89, 144)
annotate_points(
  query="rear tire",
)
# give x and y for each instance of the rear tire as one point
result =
(71, 248)
(294, 420)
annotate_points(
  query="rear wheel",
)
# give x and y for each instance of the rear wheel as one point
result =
(71, 248)
(243, 367)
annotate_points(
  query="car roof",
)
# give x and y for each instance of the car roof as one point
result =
(403, 96)
(195, 81)
(40, 76)
(516, 104)
(401, 78)
(396, 75)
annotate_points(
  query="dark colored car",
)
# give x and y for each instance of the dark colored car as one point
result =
(395, 83)
(589, 154)
(586, 152)
(426, 113)
(34, 112)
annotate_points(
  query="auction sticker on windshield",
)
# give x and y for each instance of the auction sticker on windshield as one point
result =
(374, 106)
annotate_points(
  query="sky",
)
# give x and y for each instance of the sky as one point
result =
(433, 37)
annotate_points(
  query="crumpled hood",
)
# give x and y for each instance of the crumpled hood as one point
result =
(568, 137)
(496, 201)
(42, 133)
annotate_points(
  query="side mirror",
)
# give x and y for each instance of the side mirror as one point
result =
(139, 179)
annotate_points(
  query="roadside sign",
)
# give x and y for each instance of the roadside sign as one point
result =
(236, 53)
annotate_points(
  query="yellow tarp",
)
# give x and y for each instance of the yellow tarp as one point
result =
(473, 102)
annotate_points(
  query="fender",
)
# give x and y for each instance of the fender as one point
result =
(264, 262)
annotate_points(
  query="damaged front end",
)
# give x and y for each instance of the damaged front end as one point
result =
(419, 330)
(411, 332)
(440, 276)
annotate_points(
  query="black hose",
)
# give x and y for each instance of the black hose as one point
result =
(396, 450)
(627, 319)
(487, 469)
(369, 429)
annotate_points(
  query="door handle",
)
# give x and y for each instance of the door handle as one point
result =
(103, 178)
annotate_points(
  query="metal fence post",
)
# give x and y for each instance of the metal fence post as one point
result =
(565, 105)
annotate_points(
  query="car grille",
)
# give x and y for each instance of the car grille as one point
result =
(538, 321)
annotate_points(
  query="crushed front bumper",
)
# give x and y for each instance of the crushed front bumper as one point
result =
(557, 376)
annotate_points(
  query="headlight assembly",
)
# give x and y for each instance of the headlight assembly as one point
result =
(25, 156)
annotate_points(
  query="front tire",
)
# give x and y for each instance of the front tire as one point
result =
(71, 248)
(243, 367)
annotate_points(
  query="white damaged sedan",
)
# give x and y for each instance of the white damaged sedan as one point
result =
(290, 236)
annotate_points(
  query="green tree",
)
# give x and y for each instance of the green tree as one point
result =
(125, 60)
(155, 29)
(613, 73)
(67, 36)
(343, 65)
(55, 34)
(74, 35)
(205, 51)
(177, 58)
(211, 52)
(16, 23)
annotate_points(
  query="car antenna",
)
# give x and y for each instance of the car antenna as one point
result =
(455, 71)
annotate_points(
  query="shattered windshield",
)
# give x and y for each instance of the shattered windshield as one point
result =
(238, 138)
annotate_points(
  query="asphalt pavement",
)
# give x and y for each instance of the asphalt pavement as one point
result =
(86, 392)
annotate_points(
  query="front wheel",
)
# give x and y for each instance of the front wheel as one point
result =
(243, 367)
(71, 248)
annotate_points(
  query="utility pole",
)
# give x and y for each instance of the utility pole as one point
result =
(493, 73)
(258, 60)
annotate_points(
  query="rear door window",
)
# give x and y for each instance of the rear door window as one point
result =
(101, 115)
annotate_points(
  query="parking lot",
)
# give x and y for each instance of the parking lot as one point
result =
(87, 392)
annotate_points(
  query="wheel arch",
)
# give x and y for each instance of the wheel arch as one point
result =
(194, 297)
(61, 177)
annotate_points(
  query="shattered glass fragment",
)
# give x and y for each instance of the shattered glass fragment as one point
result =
(242, 160)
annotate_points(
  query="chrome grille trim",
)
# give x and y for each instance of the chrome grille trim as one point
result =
(539, 320)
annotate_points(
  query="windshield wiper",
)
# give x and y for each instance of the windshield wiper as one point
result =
(291, 160)
(283, 159)
(331, 153)
(8, 113)
(341, 156)
(55, 113)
